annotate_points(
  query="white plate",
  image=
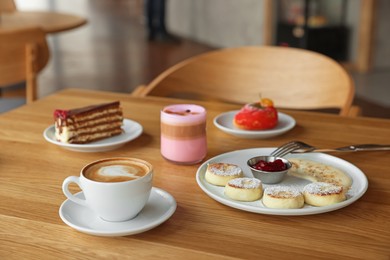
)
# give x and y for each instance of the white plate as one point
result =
(160, 207)
(224, 122)
(240, 157)
(131, 130)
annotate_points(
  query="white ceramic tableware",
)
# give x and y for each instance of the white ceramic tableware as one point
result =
(159, 208)
(240, 158)
(131, 130)
(118, 199)
(224, 122)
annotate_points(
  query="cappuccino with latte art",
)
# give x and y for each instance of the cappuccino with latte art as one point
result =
(116, 171)
(116, 189)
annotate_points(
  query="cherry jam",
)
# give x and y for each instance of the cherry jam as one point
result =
(275, 166)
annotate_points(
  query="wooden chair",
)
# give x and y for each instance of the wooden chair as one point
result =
(23, 53)
(7, 6)
(292, 78)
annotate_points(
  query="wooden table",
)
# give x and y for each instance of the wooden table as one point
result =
(50, 22)
(32, 171)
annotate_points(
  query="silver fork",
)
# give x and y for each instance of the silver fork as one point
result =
(290, 147)
(301, 147)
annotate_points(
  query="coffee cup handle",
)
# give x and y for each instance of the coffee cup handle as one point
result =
(68, 194)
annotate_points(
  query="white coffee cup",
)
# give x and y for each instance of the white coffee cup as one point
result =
(116, 189)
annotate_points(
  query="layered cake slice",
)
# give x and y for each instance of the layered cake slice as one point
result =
(88, 124)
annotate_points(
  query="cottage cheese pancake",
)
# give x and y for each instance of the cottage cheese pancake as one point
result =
(283, 197)
(318, 172)
(220, 173)
(323, 194)
(244, 189)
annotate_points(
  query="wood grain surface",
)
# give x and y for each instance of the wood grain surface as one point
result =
(32, 171)
(50, 22)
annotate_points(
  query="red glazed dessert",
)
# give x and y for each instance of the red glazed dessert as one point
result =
(257, 116)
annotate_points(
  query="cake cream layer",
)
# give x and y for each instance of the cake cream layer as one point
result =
(81, 123)
(90, 119)
(84, 125)
(88, 134)
(93, 137)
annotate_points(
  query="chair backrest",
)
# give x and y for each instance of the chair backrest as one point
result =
(292, 78)
(23, 53)
(7, 6)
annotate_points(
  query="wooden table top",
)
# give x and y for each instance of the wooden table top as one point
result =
(32, 171)
(50, 22)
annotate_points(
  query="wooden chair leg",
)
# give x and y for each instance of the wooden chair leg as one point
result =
(31, 78)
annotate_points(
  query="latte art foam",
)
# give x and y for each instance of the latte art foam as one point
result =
(116, 171)
(119, 171)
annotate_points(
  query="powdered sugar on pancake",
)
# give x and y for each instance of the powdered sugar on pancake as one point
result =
(322, 188)
(245, 183)
(282, 191)
(224, 169)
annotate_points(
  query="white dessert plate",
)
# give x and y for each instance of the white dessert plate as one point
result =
(131, 130)
(240, 157)
(224, 122)
(160, 207)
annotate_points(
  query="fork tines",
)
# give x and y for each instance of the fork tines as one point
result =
(286, 149)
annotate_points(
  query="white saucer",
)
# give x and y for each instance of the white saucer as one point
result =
(160, 207)
(131, 130)
(224, 122)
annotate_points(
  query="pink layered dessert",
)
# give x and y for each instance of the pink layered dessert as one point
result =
(183, 133)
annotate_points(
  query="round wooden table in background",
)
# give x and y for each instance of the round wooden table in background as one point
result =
(50, 22)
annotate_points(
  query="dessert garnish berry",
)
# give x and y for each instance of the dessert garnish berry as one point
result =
(59, 113)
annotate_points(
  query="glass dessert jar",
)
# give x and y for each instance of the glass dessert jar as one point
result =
(183, 133)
